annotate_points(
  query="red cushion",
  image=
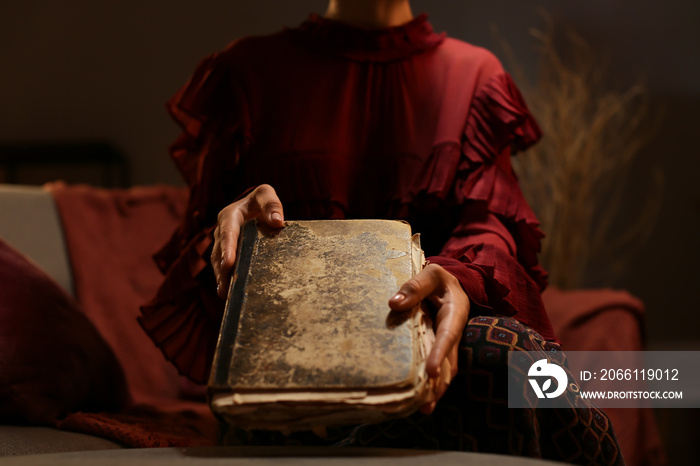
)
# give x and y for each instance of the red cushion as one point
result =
(52, 359)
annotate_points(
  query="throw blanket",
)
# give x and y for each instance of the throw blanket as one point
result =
(111, 236)
(609, 320)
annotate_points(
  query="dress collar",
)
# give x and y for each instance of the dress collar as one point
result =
(376, 45)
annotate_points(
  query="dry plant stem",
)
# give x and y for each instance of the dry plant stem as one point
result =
(575, 177)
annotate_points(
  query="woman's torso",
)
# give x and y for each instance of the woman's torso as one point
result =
(349, 123)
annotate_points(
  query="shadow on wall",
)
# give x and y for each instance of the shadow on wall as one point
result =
(96, 163)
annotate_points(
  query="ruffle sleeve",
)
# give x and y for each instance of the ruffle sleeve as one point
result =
(493, 250)
(184, 317)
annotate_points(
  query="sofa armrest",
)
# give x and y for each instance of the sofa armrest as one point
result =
(25, 440)
(29, 222)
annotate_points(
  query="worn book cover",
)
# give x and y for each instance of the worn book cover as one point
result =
(308, 339)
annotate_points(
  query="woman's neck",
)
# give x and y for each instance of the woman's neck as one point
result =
(370, 14)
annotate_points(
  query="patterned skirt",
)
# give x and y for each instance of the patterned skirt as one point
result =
(473, 415)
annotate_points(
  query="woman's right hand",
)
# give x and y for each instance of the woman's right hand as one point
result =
(262, 204)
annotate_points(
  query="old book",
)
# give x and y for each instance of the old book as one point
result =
(308, 339)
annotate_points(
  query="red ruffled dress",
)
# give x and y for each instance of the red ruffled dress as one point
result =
(343, 122)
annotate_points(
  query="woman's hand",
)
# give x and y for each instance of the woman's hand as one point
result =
(262, 204)
(438, 286)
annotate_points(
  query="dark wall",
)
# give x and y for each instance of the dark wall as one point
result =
(80, 69)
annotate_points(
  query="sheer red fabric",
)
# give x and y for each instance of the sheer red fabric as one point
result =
(350, 123)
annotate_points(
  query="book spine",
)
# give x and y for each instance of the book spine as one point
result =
(234, 306)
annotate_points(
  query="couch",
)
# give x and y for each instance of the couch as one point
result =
(85, 253)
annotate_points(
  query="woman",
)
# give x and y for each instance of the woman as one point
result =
(366, 112)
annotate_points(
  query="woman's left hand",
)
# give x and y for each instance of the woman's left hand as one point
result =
(441, 288)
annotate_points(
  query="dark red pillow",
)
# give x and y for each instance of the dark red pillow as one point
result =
(52, 359)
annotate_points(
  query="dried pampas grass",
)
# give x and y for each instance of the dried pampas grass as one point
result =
(575, 178)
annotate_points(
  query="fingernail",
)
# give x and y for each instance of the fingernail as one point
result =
(398, 297)
(276, 217)
(218, 287)
(222, 261)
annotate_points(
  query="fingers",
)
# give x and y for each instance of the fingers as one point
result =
(428, 408)
(450, 320)
(266, 206)
(416, 289)
(262, 204)
(452, 358)
(226, 234)
(442, 289)
(448, 370)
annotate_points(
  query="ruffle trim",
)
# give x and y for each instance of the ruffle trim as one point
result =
(208, 104)
(372, 45)
(480, 169)
(498, 118)
(498, 285)
(185, 316)
(497, 188)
